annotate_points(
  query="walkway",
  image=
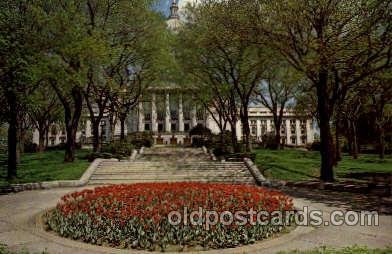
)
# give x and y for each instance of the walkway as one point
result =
(19, 229)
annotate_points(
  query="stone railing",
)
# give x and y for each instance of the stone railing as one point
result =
(255, 172)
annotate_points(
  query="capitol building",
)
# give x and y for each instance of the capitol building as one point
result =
(169, 112)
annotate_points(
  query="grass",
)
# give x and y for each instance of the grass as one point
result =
(295, 165)
(346, 250)
(47, 166)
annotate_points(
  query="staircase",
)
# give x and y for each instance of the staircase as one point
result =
(171, 165)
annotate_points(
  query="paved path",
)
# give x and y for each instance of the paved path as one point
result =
(19, 229)
(171, 164)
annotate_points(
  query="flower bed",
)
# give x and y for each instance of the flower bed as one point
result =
(136, 215)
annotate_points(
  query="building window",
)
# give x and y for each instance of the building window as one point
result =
(147, 117)
(52, 141)
(254, 130)
(147, 127)
(173, 115)
(160, 127)
(62, 140)
(186, 127)
(161, 115)
(282, 129)
(303, 139)
(293, 139)
(187, 115)
(173, 127)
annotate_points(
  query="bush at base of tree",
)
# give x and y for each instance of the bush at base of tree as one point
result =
(315, 146)
(116, 149)
(140, 139)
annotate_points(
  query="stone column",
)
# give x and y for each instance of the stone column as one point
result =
(298, 131)
(238, 127)
(268, 126)
(180, 114)
(258, 129)
(288, 131)
(309, 131)
(194, 116)
(141, 117)
(154, 116)
(168, 115)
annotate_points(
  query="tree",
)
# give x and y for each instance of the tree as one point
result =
(18, 53)
(71, 50)
(346, 39)
(138, 44)
(277, 92)
(381, 105)
(226, 58)
(43, 112)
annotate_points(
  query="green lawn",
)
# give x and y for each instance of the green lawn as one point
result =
(47, 166)
(291, 164)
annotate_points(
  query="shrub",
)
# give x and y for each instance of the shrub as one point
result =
(118, 148)
(61, 146)
(240, 156)
(201, 141)
(139, 139)
(30, 147)
(315, 146)
(269, 141)
(92, 156)
(136, 215)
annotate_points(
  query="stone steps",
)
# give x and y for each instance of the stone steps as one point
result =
(203, 180)
(171, 172)
(171, 165)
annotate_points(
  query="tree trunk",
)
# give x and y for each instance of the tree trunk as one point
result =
(12, 143)
(278, 138)
(70, 144)
(46, 137)
(338, 156)
(122, 133)
(19, 141)
(72, 123)
(349, 138)
(326, 149)
(355, 141)
(41, 139)
(96, 137)
(246, 129)
(381, 144)
(234, 141)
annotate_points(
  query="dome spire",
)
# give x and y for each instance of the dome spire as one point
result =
(174, 10)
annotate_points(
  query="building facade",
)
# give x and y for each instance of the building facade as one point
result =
(170, 113)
